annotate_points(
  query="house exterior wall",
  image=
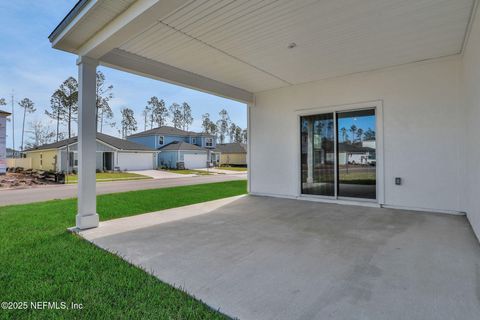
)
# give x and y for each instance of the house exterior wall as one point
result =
(471, 86)
(43, 159)
(183, 153)
(150, 141)
(135, 160)
(201, 142)
(25, 163)
(233, 158)
(3, 144)
(423, 131)
(153, 140)
(168, 159)
(100, 147)
(170, 139)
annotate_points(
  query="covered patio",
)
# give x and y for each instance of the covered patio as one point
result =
(305, 69)
(264, 258)
(413, 66)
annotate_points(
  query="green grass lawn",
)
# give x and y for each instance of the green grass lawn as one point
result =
(241, 169)
(367, 176)
(187, 171)
(111, 176)
(41, 261)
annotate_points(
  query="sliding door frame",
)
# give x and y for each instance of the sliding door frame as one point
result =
(377, 105)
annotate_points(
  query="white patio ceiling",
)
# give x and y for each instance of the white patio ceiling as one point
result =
(245, 43)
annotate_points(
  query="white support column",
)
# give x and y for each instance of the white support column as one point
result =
(87, 216)
(249, 146)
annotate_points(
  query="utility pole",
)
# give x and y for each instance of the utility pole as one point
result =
(13, 123)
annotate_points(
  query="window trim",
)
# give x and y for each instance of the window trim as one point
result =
(207, 144)
(374, 104)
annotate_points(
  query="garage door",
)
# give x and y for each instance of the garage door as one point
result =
(195, 161)
(135, 161)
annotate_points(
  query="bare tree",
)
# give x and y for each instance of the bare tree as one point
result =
(68, 99)
(159, 112)
(39, 134)
(58, 112)
(146, 114)
(104, 95)
(353, 130)
(208, 125)
(206, 122)
(369, 134)
(231, 131)
(222, 125)
(177, 115)
(244, 135)
(360, 134)
(129, 124)
(187, 118)
(344, 134)
(28, 107)
(238, 137)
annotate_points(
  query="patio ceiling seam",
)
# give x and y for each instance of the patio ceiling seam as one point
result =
(471, 20)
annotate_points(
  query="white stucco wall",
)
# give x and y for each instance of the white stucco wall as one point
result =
(471, 86)
(423, 131)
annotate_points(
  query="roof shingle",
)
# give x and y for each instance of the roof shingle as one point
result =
(232, 147)
(181, 146)
(167, 130)
(117, 143)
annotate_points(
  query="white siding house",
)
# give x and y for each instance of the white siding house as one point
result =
(111, 154)
(3, 139)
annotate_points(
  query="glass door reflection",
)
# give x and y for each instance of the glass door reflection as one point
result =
(318, 154)
(356, 154)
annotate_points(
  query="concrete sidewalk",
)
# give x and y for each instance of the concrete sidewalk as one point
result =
(64, 191)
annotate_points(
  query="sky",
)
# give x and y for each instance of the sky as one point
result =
(31, 68)
(364, 123)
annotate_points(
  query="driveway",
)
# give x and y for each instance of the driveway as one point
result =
(159, 174)
(65, 191)
(223, 171)
(269, 258)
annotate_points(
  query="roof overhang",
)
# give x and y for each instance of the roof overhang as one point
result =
(236, 48)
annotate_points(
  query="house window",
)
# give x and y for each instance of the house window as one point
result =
(160, 140)
(194, 140)
(41, 159)
(209, 142)
(72, 161)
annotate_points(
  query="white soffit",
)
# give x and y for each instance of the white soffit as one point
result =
(102, 13)
(244, 43)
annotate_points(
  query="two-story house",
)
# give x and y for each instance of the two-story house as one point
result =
(192, 149)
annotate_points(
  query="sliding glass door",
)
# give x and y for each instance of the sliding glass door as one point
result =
(318, 154)
(356, 164)
(338, 154)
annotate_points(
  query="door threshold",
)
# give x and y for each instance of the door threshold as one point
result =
(363, 202)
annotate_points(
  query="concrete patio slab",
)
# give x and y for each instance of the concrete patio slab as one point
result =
(150, 219)
(269, 258)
